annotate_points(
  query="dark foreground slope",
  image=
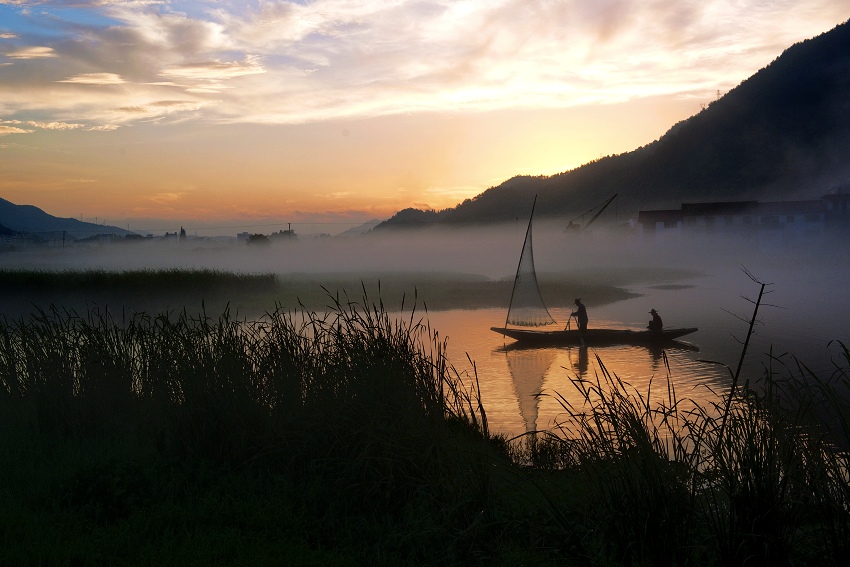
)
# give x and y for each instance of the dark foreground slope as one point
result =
(783, 133)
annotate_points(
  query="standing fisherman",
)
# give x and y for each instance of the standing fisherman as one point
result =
(581, 315)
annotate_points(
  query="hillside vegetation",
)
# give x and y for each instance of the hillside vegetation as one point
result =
(784, 133)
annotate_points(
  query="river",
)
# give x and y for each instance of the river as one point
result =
(800, 314)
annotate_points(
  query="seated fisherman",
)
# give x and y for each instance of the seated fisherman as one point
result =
(655, 323)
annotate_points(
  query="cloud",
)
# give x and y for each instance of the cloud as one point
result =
(83, 3)
(214, 70)
(282, 61)
(159, 108)
(53, 126)
(34, 52)
(6, 130)
(8, 35)
(95, 79)
(173, 103)
(72, 126)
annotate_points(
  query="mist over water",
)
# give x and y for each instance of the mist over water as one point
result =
(700, 283)
(809, 281)
(490, 250)
(467, 251)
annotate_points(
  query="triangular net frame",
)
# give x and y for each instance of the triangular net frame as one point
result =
(527, 308)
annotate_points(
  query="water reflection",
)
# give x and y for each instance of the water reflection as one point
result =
(542, 375)
(581, 366)
(510, 377)
(528, 368)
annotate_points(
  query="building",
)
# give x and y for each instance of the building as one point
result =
(837, 203)
(780, 222)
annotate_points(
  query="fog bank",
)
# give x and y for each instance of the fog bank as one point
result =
(491, 251)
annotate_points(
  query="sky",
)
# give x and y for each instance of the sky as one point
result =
(223, 116)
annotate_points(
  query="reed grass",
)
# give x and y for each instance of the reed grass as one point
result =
(347, 438)
(359, 409)
(759, 477)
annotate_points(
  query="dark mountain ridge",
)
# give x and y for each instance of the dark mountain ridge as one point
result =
(783, 133)
(32, 220)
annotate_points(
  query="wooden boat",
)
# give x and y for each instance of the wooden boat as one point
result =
(527, 309)
(593, 336)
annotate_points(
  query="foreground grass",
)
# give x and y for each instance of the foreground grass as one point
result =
(348, 439)
(336, 439)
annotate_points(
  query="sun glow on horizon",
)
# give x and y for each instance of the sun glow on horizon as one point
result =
(190, 110)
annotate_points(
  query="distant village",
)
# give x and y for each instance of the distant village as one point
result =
(12, 240)
(777, 222)
(767, 223)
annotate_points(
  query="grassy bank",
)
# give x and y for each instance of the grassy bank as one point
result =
(305, 439)
(348, 439)
(254, 294)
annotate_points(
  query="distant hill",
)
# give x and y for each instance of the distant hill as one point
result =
(34, 221)
(361, 229)
(784, 133)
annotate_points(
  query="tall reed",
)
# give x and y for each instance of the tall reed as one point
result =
(354, 394)
(637, 463)
(361, 411)
(760, 477)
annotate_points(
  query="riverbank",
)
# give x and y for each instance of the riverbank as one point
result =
(252, 295)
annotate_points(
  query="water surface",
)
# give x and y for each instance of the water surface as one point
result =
(800, 317)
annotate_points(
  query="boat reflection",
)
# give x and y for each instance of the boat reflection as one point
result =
(528, 368)
(654, 348)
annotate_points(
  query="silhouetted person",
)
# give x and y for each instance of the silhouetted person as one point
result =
(655, 323)
(581, 315)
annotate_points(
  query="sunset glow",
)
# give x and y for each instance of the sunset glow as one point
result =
(202, 113)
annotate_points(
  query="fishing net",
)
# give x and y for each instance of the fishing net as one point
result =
(527, 308)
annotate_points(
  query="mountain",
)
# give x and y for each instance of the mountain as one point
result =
(32, 220)
(784, 133)
(360, 229)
